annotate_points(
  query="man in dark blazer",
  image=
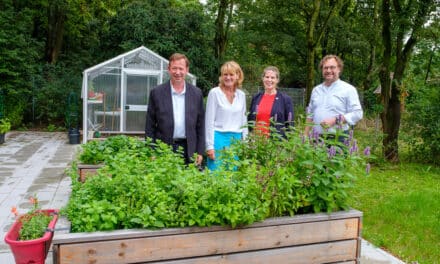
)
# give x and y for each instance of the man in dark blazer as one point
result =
(175, 113)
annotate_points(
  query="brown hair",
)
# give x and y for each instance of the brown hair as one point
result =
(331, 56)
(231, 67)
(179, 56)
(271, 68)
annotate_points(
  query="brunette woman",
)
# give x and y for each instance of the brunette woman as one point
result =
(271, 107)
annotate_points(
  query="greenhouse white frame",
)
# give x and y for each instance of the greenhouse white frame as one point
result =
(115, 92)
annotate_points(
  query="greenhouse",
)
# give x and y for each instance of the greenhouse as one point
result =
(115, 92)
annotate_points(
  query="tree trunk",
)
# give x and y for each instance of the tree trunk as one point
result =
(315, 31)
(55, 30)
(311, 46)
(310, 74)
(222, 24)
(391, 126)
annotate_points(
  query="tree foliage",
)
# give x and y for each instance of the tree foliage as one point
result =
(45, 45)
(19, 54)
(165, 28)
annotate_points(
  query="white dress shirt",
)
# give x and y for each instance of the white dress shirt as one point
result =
(223, 116)
(340, 98)
(178, 112)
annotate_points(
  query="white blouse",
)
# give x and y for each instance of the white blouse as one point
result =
(223, 116)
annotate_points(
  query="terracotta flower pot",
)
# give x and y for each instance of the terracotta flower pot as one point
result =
(35, 250)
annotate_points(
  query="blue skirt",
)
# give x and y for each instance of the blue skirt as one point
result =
(222, 140)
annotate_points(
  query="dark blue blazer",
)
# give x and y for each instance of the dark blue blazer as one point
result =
(281, 114)
(160, 120)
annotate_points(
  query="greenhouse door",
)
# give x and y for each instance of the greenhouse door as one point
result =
(138, 85)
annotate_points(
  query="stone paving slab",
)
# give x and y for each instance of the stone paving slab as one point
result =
(34, 163)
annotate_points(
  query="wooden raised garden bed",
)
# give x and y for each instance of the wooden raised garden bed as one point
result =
(309, 238)
(85, 170)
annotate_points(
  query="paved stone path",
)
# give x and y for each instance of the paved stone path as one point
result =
(33, 163)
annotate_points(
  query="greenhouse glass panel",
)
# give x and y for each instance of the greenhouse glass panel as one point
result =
(138, 89)
(115, 92)
(104, 98)
(142, 60)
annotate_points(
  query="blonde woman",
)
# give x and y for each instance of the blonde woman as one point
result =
(225, 118)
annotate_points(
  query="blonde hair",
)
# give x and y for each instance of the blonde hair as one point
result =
(231, 67)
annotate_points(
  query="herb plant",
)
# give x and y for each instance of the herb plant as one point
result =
(151, 187)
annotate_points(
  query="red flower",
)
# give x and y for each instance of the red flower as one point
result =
(14, 210)
(33, 200)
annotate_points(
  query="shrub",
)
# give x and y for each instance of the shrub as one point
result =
(5, 125)
(423, 126)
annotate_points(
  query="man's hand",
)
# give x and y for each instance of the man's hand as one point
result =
(199, 159)
(331, 121)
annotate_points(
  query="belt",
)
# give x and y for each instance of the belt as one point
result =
(179, 140)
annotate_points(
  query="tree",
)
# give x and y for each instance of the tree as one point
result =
(402, 24)
(165, 27)
(222, 24)
(56, 18)
(19, 53)
(317, 15)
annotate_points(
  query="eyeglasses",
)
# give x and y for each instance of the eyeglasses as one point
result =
(329, 68)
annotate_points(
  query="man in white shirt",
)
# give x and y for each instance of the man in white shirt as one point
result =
(334, 103)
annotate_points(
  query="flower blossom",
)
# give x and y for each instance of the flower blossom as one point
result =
(14, 210)
(339, 121)
(315, 134)
(367, 151)
(354, 147)
(331, 152)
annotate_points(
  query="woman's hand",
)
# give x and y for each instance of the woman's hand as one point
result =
(211, 154)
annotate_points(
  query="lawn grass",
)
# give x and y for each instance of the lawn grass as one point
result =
(401, 206)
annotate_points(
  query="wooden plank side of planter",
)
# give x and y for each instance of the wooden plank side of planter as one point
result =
(85, 170)
(342, 252)
(209, 242)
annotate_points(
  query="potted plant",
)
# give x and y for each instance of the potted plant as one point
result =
(5, 126)
(31, 234)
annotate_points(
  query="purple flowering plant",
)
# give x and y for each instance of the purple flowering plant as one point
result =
(303, 173)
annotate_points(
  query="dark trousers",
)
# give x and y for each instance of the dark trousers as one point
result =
(181, 142)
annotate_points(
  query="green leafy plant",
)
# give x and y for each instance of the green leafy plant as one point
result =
(34, 222)
(151, 187)
(95, 152)
(5, 125)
